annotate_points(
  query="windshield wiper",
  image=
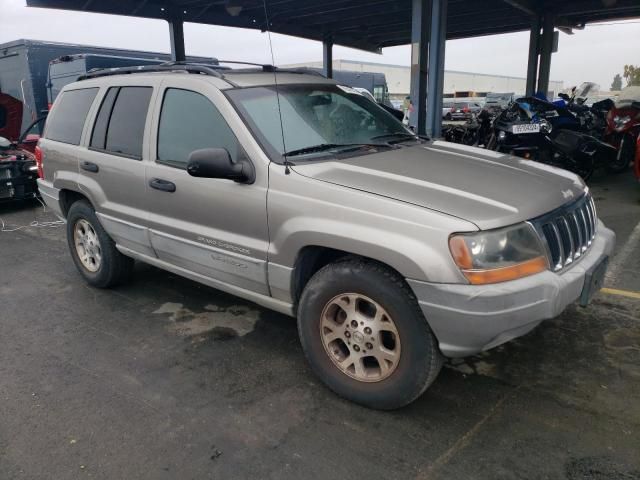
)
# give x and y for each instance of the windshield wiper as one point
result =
(401, 136)
(330, 146)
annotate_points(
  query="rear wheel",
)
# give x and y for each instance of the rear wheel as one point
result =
(93, 251)
(365, 336)
(584, 166)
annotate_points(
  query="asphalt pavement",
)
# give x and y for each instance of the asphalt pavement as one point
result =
(164, 378)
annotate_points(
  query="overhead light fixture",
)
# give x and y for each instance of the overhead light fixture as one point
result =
(233, 7)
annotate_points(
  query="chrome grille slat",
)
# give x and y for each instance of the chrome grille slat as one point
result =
(579, 244)
(591, 222)
(568, 232)
(585, 229)
(558, 241)
(572, 247)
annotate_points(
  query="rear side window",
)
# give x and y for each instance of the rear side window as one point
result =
(119, 126)
(188, 122)
(69, 114)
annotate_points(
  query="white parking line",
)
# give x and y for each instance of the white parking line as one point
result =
(623, 255)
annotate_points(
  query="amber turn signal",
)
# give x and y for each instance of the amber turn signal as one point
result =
(504, 274)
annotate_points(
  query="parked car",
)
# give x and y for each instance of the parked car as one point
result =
(393, 251)
(17, 172)
(461, 110)
(17, 162)
(496, 102)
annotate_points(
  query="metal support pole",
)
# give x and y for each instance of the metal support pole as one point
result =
(420, 24)
(546, 48)
(176, 34)
(534, 50)
(436, 67)
(327, 58)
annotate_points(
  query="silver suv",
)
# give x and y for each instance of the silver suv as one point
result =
(303, 196)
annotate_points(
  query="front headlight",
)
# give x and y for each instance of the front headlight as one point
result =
(500, 255)
(619, 122)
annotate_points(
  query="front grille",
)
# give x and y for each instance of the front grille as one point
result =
(568, 231)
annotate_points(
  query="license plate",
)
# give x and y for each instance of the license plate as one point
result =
(526, 128)
(593, 281)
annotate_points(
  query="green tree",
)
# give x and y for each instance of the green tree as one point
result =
(617, 82)
(632, 75)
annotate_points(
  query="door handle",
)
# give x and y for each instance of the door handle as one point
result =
(90, 167)
(163, 185)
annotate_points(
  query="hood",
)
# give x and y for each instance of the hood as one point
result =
(481, 186)
(10, 117)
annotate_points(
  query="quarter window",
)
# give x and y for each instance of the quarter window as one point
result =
(69, 114)
(119, 126)
(189, 122)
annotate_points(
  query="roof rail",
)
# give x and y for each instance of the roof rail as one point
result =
(272, 68)
(215, 70)
(163, 67)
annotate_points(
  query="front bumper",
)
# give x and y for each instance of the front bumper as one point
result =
(16, 184)
(468, 319)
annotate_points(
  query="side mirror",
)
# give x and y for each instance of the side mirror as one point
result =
(217, 163)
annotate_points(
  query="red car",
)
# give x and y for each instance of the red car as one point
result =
(18, 169)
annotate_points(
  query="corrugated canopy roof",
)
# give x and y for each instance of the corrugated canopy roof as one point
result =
(363, 24)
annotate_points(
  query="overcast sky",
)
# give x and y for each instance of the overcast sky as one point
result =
(594, 54)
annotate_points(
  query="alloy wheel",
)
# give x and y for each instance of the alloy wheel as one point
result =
(87, 245)
(360, 337)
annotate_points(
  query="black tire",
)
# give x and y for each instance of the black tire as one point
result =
(447, 117)
(114, 267)
(420, 359)
(620, 163)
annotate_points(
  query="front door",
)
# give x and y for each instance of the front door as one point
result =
(213, 227)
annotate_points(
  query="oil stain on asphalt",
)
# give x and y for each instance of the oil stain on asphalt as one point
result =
(222, 322)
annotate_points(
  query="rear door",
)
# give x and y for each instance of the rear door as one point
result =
(111, 168)
(213, 227)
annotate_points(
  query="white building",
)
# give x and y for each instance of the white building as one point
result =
(399, 79)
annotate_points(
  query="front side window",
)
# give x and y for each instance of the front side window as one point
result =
(312, 115)
(189, 122)
(119, 126)
(69, 114)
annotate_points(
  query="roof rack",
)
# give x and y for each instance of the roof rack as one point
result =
(215, 70)
(163, 67)
(271, 68)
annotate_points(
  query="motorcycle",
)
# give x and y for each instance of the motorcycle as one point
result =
(623, 127)
(474, 132)
(572, 112)
(525, 129)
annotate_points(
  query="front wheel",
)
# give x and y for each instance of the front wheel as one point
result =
(365, 336)
(624, 155)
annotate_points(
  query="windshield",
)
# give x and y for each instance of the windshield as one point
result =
(312, 115)
(587, 89)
